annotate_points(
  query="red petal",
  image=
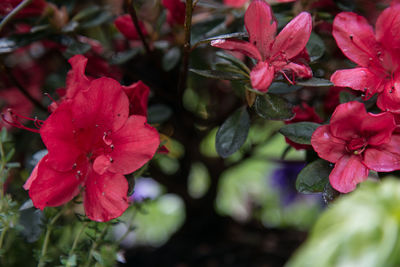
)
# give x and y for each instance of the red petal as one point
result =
(125, 25)
(33, 175)
(105, 196)
(388, 27)
(355, 37)
(294, 37)
(358, 79)
(261, 76)
(346, 120)
(326, 145)
(76, 78)
(385, 158)
(261, 26)
(138, 94)
(348, 172)
(241, 46)
(299, 70)
(389, 99)
(134, 145)
(104, 106)
(57, 134)
(52, 188)
(378, 128)
(235, 3)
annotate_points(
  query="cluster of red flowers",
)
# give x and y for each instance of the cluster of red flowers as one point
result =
(95, 135)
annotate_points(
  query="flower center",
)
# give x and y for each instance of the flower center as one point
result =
(357, 145)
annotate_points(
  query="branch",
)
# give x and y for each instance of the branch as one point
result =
(186, 47)
(132, 12)
(13, 13)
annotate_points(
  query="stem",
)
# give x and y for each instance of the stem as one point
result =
(132, 13)
(13, 13)
(95, 244)
(22, 89)
(76, 241)
(2, 236)
(42, 261)
(186, 47)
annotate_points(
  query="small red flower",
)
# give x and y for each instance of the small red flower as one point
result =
(302, 112)
(125, 25)
(357, 141)
(92, 142)
(36, 8)
(377, 55)
(176, 11)
(273, 54)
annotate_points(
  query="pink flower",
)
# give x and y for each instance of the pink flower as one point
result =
(273, 54)
(377, 55)
(235, 3)
(302, 112)
(92, 143)
(176, 11)
(125, 25)
(357, 141)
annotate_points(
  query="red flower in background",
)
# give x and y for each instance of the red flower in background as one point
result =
(357, 141)
(302, 112)
(235, 3)
(377, 54)
(176, 11)
(125, 25)
(92, 142)
(36, 8)
(273, 54)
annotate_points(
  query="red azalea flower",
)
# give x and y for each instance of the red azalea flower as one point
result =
(176, 11)
(377, 55)
(332, 98)
(235, 3)
(302, 112)
(36, 8)
(357, 141)
(138, 94)
(125, 25)
(273, 54)
(92, 142)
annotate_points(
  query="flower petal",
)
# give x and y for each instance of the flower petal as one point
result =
(299, 70)
(105, 196)
(57, 133)
(360, 79)
(138, 94)
(388, 26)
(355, 37)
(261, 76)
(385, 158)
(76, 78)
(389, 99)
(261, 26)
(378, 128)
(346, 120)
(294, 37)
(326, 145)
(134, 145)
(104, 106)
(240, 46)
(348, 172)
(52, 188)
(125, 25)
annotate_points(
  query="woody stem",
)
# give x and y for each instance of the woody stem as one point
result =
(186, 47)
(13, 13)
(132, 13)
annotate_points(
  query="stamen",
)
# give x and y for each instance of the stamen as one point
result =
(287, 78)
(16, 123)
(50, 97)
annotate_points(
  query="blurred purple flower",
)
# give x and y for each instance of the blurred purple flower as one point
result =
(145, 188)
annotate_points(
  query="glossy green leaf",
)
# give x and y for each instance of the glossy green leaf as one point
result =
(171, 58)
(217, 74)
(315, 47)
(282, 88)
(31, 221)
(159, 113)
(234, 60)
(125, 56)
(77, 48)
(313, 177)
(345, 97)
(315, 82)
(233, 133)
(273, 107)
(299, 132)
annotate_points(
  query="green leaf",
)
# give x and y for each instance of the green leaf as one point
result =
(171, 58)
(315, 47)
(315, 82)
(31, 221)
(77, 48)
(125, 56)
(217, 74)
(345, 97)
(225, 36)
(158, 113)
(273, 107)
(234, 60)
(300, 132)
(233, 133)
(313, 177)
(13, 42)
(282, 88)
(329, 194)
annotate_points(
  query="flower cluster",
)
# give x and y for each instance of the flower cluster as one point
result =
(93, 138)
